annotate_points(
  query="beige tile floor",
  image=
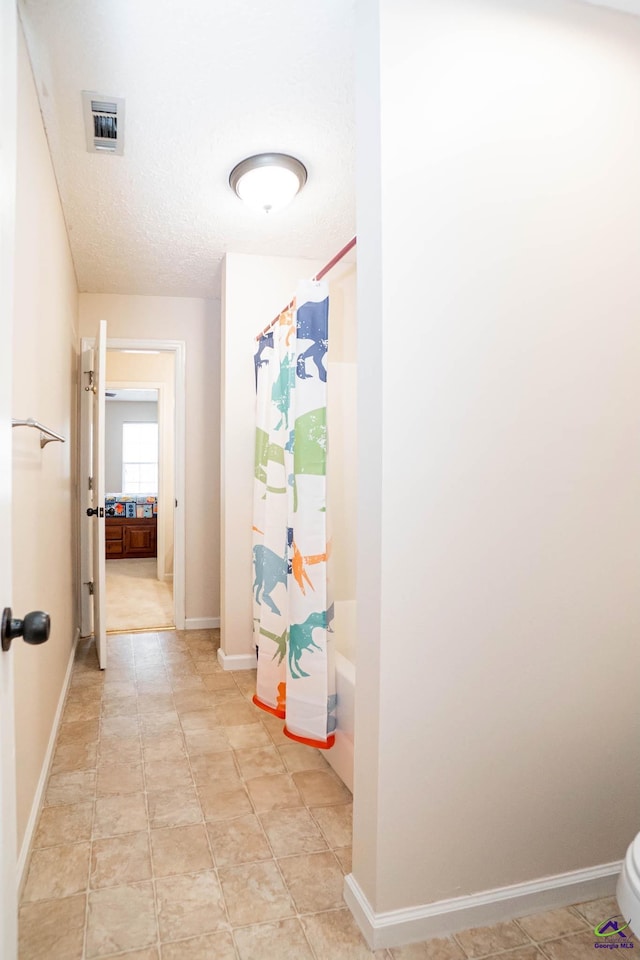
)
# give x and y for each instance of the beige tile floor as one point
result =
(180, 824)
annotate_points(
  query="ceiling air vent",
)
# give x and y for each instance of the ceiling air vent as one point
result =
(103, 123)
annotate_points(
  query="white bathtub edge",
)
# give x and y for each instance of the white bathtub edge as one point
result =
(340, 756)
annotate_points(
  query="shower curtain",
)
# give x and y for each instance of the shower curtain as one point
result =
(291, 611)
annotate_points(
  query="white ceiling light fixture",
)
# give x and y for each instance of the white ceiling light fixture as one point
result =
(268, 181)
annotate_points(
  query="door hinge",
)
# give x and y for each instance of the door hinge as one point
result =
(90, 483)
(89, 583)
(91, 388)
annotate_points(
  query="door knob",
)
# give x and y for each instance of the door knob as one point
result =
(94, 512)
(35, 628)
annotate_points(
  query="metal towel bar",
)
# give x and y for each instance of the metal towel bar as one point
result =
(46, 435)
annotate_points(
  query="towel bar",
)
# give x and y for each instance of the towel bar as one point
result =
(46, 435)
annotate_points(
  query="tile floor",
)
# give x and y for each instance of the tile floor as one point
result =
(179, 823)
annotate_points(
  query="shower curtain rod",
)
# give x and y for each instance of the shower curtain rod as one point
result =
(321, 273)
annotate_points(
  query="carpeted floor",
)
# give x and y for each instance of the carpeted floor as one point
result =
(136, 599)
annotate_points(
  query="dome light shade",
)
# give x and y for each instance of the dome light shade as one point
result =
(268, 181)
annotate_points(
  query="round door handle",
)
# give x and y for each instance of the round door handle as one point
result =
(35, 628)
(91, 513)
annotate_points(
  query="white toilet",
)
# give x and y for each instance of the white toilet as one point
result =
(628, 890)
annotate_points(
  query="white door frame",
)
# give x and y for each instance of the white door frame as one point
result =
(8, 137)
(178, 348)
(98, 524)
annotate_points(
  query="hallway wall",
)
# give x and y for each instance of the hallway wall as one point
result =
(44, 387)
(197, 322)
(499, 445)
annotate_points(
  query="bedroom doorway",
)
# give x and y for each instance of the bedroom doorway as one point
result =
(139, 484)
(144, 483)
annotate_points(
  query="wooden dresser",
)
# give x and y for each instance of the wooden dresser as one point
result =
(132, 539)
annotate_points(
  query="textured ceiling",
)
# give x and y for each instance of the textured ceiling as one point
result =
(206, 84)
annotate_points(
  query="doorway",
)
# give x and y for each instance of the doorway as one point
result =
(139, 486)
(143, 562)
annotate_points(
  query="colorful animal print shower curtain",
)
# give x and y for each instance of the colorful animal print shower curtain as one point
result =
(291, 612)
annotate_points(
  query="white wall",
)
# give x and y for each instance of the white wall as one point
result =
(117, 413)
(255, 289)
(44, 386)
(499, 444)
(197, 322)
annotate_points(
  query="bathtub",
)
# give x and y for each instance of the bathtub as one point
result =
(340, 756)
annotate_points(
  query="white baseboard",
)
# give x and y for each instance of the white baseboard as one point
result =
(201, 623)
(397, 927)
(237, 661)
(25, 850)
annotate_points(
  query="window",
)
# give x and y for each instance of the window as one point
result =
(140, 458)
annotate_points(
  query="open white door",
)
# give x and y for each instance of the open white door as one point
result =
(8, 855)
(85, 487)
(97, 519)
